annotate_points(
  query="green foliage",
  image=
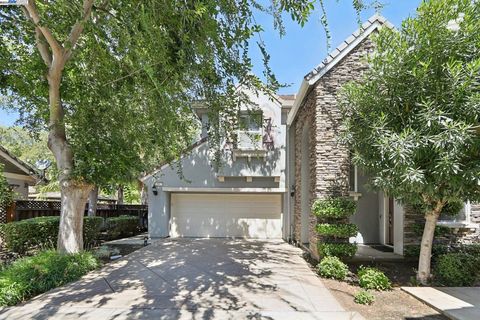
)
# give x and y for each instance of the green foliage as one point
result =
(337, 249)
(332, 267)
(452, 208)
(31, 276)
(339, 207)
(364, 297)
(456, 269)
(412, 121)
(372, 278)
(91, 230)
(121, 226)
(42, 232)
(6, 193)
(337, 230)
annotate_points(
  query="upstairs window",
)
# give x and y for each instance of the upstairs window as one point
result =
(250, 131)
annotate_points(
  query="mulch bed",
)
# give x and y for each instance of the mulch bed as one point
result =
(389, 305)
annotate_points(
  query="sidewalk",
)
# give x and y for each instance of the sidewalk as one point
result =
(458, 303)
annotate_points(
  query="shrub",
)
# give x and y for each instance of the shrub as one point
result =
(337, 230)
(42, 232)
(333, 268)
(337, 249)
(30, 276)
(122, 226)
(456, 269)
(372, 278)
(334, 208)
(364, 297)
(91, 230)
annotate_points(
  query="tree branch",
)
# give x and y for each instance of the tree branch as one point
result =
(77, 29)
(33, 15)
(43, 47)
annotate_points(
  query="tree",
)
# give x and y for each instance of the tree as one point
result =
(162, 56)
(413, 120)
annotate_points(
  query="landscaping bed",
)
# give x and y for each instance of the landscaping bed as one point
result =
(388, 305)
(30, 265)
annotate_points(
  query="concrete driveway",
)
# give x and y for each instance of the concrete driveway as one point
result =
(194, 279)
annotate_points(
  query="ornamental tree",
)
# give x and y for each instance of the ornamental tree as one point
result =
(413, 120)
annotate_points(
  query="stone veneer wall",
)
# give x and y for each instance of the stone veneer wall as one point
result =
(329, 160)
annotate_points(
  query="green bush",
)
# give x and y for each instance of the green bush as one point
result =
(337, 230)
(364, 297)
(333, 268)
(122, 226)
(372, 278)
(334, 208)
(42, 232)
(31, 276)
(456, 269)
(91, 230)
(337, 249)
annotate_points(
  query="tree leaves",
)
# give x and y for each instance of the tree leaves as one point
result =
(412, 120)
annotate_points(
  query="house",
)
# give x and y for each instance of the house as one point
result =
(20, 175)
(244, 198)
(266, 190)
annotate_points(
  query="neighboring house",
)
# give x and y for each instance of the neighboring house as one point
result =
(20, 175)
(266, 191)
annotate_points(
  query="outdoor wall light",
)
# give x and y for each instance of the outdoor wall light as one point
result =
(155, 186)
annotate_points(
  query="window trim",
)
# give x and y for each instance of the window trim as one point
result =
(249, 114)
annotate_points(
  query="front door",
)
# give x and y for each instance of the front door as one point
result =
(391, 208)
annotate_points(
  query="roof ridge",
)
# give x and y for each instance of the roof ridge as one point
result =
(347, 42)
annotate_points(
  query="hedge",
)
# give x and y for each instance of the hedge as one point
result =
(31, 276)
(334, 208)
(42, 232)
(344, 250)
(456, 269)
(337, 230)
(122, 226)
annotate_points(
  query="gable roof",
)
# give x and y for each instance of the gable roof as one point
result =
(337, 55)
(22, 166)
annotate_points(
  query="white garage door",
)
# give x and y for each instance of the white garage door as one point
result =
(226, 215)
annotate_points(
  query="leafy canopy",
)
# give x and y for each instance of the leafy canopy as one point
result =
(413, 120)
(128, 88)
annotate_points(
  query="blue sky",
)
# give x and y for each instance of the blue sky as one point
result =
(301, 49)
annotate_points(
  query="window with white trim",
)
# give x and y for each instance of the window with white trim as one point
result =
(250, 131)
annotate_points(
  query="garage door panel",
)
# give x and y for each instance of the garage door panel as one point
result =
(226, 215)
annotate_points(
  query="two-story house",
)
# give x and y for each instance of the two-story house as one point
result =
(244, 198)
(287, 155)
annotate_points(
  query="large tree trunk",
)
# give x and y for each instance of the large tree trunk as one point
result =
(92, 202)
(55, 55)
(425, 257)
(74, 193)
(70, 233)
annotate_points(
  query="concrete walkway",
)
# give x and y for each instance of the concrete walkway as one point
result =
(462, 303)
(194, 279)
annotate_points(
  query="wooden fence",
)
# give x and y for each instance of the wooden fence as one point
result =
(27, 209)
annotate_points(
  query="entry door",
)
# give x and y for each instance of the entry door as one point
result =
(226, 215)
(391, 221)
